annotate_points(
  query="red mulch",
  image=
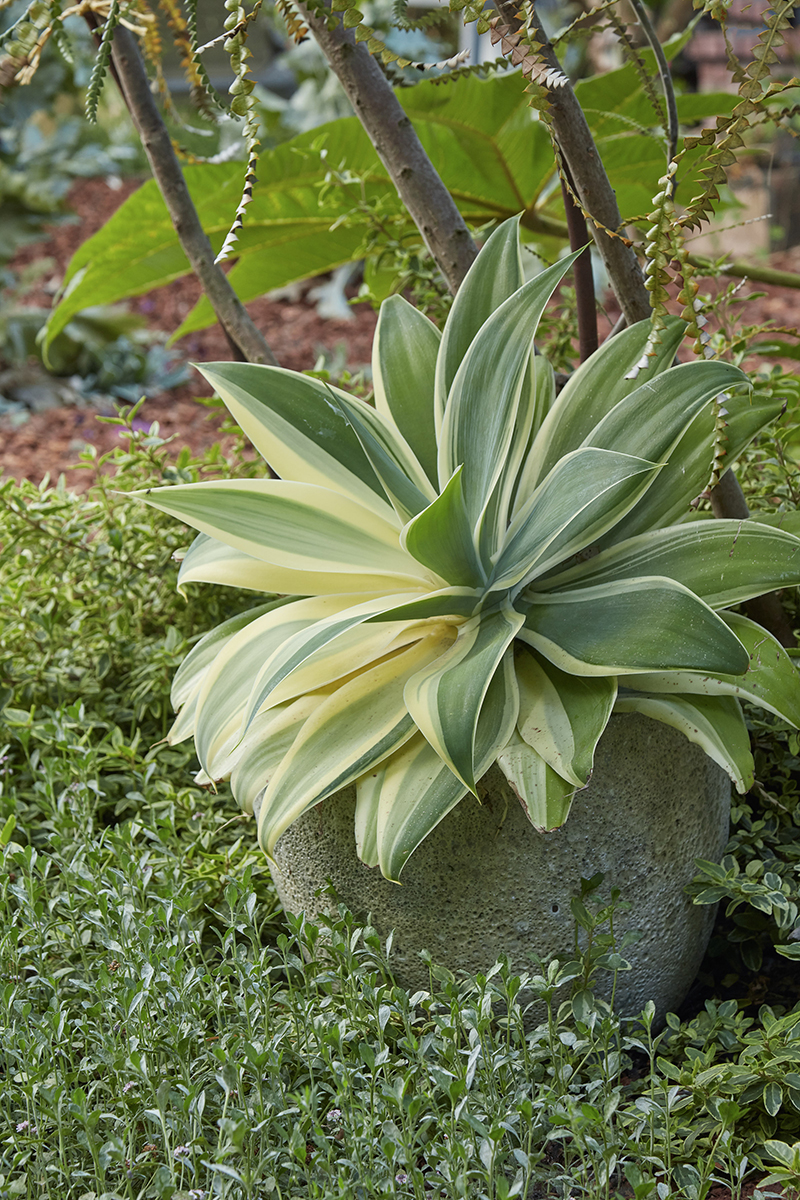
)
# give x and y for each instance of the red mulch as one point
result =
(50, 442)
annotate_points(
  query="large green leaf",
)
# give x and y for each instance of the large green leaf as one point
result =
(392, 459)
(647, 624)
(584, 494)
(294, 525)
(294, 423)
(562, 716)
(484, 288)
(351, 732)
(713, 722)
(722, 562)
(771, 680)
(404, 353)
(489, 149)
(446, 696)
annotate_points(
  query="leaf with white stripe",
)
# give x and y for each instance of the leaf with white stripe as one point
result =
(358, 726)
(713, 722)
(722, 561)
(404, 353)
(645, 624)
(562, 716)
(295, 525)
(477, 434)
(226, 688)
(266, 743)
(393, 460)
(544, 795)
(494, 276)
(417, 790)
(592, 391)
(210, 561)
(446, 696)
(292, 422)
(771, 680)
(192, 671)
(582, 496)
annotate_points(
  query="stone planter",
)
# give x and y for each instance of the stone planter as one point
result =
(485, 882)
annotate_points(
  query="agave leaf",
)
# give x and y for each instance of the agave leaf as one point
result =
(192, 670)
(403, 371)
(417, 790)
(266, 743)
(445, 697)
(449, 603)
(771, 680)
(441, 539)
(475, 433)
(295, 525)
(329, 650)
(210, 561)
(351, 732)
(183, 725)
(483, 290)
(226, 686)
(320, 646)
(544, 795)
(681, 481)
(723, 562)
(582, 496)
(393, 460)
(713, 722)
(293, 422)
(645, 624)
(562, 716)
(650, 421)
(496, 518)
(591, 392)
(789, 522)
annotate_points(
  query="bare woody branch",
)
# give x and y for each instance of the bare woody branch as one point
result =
(396, 143)
(131, 75)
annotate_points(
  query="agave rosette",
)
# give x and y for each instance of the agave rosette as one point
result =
(474, 570)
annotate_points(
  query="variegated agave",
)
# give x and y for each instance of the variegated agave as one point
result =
(473, 571)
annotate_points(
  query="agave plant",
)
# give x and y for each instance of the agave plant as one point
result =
(474, 570)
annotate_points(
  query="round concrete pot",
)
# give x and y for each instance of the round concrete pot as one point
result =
(485, 883)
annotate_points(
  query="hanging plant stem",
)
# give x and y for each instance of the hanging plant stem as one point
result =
(583, 275)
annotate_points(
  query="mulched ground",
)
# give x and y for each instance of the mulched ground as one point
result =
(51, 441)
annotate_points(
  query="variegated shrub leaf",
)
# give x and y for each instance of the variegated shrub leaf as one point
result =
(474, 571)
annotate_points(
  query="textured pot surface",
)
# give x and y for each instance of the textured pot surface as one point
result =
(486, 883)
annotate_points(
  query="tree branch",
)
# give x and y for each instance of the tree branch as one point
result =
(135, 87)
(397, 145)
(585, 302)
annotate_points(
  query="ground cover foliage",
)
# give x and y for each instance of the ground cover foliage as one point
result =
(166, 1032)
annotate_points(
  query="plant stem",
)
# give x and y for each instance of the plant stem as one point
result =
(584, 278)
(742, 270)
(589, 177)
(134, 85)
(397, 145)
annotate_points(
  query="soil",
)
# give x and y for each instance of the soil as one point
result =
(51, 441)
